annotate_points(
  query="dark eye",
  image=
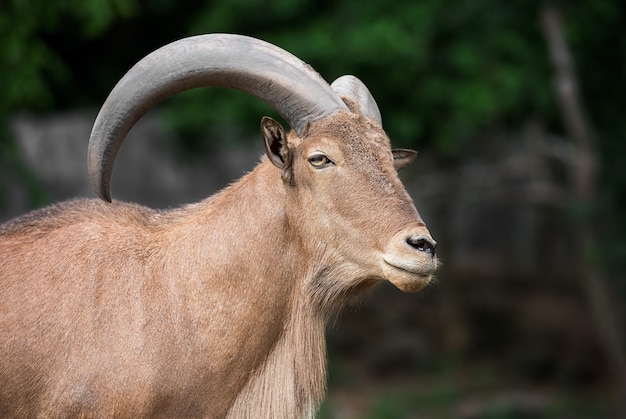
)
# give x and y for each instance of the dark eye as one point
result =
(319, 160)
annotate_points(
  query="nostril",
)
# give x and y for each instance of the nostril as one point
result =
(422, 243)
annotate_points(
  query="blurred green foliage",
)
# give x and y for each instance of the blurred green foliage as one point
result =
(30, 64)
(443, 72)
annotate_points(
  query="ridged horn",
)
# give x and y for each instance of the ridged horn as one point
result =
(353, 88)
(283, 81)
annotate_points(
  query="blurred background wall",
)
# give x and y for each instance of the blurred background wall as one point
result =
(515, 110)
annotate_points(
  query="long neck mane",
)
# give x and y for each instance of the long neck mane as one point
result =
(291, 381)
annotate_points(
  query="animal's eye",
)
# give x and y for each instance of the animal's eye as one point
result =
(319, 160)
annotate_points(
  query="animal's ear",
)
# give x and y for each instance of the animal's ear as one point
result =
(402, 157)
(275, 142)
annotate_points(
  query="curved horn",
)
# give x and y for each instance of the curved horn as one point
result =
(355, 89)
(290, 86)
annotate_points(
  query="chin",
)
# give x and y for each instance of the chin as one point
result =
(412, 284)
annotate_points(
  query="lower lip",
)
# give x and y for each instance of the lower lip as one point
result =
(406, 269)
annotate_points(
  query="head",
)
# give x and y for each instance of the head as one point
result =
(337, 166)
(345, 198)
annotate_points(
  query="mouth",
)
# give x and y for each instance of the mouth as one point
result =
(409, 275)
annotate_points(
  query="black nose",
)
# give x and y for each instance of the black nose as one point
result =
(423, 244)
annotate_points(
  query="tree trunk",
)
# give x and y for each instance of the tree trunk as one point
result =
(579, 130)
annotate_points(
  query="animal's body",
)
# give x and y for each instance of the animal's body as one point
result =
(215, 309)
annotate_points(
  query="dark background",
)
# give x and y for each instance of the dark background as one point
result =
(516, 109)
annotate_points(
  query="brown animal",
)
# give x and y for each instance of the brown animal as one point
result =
(215, 309)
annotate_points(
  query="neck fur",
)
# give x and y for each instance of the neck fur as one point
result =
(291, 383)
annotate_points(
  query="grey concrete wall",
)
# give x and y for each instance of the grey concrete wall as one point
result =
(148, 170)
